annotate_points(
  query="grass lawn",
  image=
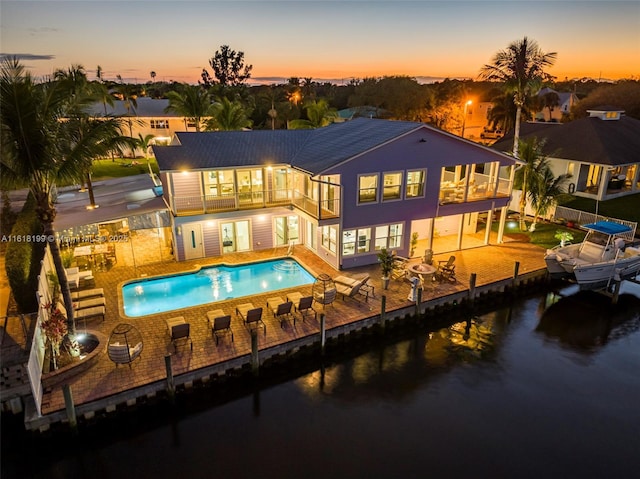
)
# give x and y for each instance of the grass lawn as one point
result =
(104, 169)
(624, 208)
(544, 235)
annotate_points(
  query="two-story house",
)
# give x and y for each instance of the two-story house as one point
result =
(345, 191)
(600, 152)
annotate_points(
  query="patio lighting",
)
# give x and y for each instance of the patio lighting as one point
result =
(464, 116)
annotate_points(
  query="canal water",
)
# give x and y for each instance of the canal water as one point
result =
(547, 388)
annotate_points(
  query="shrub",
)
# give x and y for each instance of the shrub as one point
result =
(22, 262)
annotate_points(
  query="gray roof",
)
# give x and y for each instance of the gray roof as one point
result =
(590, 140)
(146, 108)
(310, 150)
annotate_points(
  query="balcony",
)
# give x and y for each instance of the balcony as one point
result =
(207, 204)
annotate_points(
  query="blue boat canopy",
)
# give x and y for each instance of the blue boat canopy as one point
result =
(608, 227)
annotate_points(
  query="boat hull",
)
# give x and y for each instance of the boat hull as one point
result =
(600, 275)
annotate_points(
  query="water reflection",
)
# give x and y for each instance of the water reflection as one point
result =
(395, 371)
(586, 321)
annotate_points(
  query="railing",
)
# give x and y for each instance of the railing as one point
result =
(584, 217)
(194, 205)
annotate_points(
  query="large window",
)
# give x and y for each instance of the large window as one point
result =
(356, 241)
(392, 186)
(388, 236)
(415, 183)
(368, 189)
(329, 237)
(219, 183)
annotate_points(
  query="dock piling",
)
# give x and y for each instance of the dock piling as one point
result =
(70, 407)
(255, 358)
(171, 387)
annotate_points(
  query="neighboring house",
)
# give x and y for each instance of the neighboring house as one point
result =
(345, 191)
(558, 112)
(600, 152)
(148, 117)
(476, 120)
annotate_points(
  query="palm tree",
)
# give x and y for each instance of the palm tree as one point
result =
(46, 142)
(521, 68)
(99, 73)
(191, 102)
(535, 180)
(550, 100)
(547, 190)
(228, 115)
(319, 114)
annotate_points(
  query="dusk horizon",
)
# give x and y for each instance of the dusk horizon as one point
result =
(326, 41)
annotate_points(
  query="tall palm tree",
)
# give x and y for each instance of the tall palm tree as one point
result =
(319, 114)
(44, 144)
(192, 102)
(521, 68)
(228, 115)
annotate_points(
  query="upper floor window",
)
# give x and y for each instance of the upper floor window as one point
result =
(368, 189)
(392, 186)
(219, 183)
(415, 183)
(159, 124)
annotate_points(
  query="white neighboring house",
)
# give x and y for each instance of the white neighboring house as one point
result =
(600, 152)
(148, 117)
(556, 113)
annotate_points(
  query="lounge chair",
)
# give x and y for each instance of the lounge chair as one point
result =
(220, 323)
(281, 309)
(178, 329)
(251, 316)
(89, 303)
(87, 293)
(73, 277)
(302, 304)
(353, 288)
(84, 314)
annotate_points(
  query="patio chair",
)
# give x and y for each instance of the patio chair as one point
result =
(87, 293)
(251, 316)
(73, 277)
(353, 288)
(281, 310)
(220, 323)
(89, 303)
(446, 270)
(179, 329)
(302, 304)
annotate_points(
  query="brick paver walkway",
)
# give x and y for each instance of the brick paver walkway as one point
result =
(489, 263)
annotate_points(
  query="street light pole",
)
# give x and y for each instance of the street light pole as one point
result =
(464, 116)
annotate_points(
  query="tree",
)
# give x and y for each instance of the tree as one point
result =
(549, 100)
(228, 115)
(42, 146)
(228, 68)
(191, 102)
(319, 114)
(521, 68)
(548, 188)
(153, 75)
(99, 73)
(536, 181)
(625, 95)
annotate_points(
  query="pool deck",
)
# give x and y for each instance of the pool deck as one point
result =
(105, 381)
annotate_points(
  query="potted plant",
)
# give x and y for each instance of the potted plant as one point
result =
(414, 243)
(386, 260)
(563, 236)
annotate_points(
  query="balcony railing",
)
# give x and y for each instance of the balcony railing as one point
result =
(195, 205)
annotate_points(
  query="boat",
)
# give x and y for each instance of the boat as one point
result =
(601, 258)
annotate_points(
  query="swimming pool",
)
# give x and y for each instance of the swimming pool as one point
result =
(210, 284)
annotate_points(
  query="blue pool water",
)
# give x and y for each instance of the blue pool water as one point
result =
(210, 284)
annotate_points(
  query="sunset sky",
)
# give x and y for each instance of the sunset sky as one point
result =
(325, 40)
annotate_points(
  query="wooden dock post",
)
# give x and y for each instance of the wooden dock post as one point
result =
(472, 290)
(323, 333)
(255, 358)
(616, 292)
(171, 387)
(383, 308)
(70, 407)
(418, 303)
(516, 269)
